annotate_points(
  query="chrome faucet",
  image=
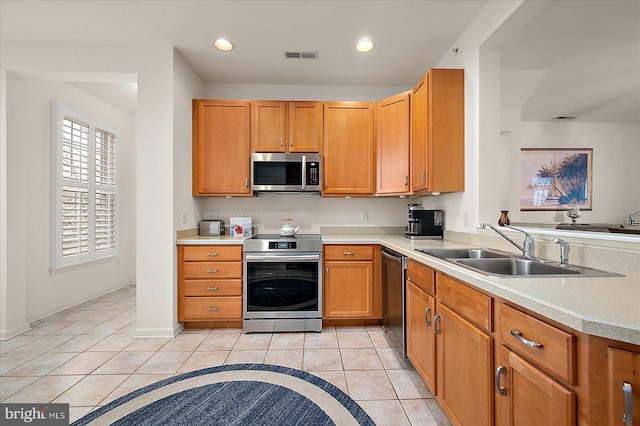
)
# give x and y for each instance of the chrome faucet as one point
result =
(633, 221)
(564, 251)
(528, 246)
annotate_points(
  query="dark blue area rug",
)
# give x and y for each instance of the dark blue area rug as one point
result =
(240, 394)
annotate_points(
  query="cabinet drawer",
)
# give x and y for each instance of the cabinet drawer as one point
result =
(212, 270)
(554, 349)
(348, 252)
(231, 287)
(468, 302)
(212, 253)
(421, 276)
(213, 308)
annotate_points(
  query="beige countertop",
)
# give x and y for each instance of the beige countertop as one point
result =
(607, 307)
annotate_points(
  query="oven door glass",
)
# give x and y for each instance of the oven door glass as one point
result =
(277, 173)
(282, 286)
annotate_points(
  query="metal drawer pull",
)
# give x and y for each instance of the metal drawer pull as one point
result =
(212, 254)
(427, 314)
(212, 271)
(212, 309)
(627, 417)
(435, 324)
(532, 343)
(212, 288)
(500, 370)
(349, 253)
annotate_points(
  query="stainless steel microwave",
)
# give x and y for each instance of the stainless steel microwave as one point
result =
(292, 173)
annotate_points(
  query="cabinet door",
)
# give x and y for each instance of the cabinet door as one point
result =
(624, 387)
(392, 144)
(221, 148)
(348, 290)
(419, 135)
(268, 126)
(464, 369)
(445, 153)
(305, 127)
(420, 310)
(348, 149)
(533, 397)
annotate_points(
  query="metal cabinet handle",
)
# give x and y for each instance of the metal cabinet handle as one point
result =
(212, 309)
(326, 183)
(290, 141)
(349, 253)
(423, 175)
(500, 370)
(427, 314)
(627, 417)
(518, 335)
(281, 143)
(326, 273)
(435, 324)
(212, 288)
(246, 182)
(211, 271)
(406, 180)
(212, 254)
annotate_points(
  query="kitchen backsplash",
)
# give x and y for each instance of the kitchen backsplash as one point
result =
(309, 212)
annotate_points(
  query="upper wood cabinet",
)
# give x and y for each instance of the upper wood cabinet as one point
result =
(348, 149)
(392, 145)
(221, 148)
(437, 126)
(278, 126)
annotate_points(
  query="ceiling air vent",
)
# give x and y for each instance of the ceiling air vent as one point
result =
(300, 55)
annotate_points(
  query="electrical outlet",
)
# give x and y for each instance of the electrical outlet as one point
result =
(364, 217)
(466, 218)
(184, 218)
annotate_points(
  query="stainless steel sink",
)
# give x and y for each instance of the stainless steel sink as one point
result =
(501, 264)
(519, 267)
(463, 253)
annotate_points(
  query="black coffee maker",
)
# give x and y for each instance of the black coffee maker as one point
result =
(424, 224)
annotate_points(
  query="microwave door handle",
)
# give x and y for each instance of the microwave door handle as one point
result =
(304, 171)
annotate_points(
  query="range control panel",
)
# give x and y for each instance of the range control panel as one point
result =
(283, 245)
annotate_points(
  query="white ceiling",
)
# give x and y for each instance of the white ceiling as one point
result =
(576, 59)
(572, 58)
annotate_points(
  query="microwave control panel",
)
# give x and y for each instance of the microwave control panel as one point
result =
(313, 173)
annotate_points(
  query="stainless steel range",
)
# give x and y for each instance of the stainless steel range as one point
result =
(282, 284)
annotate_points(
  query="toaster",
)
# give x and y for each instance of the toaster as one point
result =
(211, 227)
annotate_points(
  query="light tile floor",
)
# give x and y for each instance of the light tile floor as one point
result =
(86, 356)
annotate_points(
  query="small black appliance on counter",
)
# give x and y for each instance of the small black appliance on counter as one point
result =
(424, 224)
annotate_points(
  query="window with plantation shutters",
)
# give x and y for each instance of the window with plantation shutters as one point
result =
(84, 189)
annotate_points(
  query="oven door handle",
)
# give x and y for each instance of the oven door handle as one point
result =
(282, 258)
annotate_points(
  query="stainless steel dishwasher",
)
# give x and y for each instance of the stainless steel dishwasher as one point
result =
(394, 266)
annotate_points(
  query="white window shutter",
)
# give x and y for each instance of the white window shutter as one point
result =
(85, 188)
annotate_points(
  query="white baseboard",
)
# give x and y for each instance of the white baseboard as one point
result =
(150, 333)
(75, 302)
(8, 334)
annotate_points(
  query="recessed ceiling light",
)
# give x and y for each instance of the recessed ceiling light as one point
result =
(223, 44)
(364, 45)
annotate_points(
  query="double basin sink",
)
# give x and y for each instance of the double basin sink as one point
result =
(502, 264)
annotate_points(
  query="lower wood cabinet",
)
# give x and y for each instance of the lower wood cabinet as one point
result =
(623, 385)
(465, 359)
(420, 310)
(351, 283)
(209, 283)
(530, 397)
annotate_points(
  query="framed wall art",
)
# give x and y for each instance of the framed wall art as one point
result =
(553, 178)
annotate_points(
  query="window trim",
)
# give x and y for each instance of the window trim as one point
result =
(58, 113)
